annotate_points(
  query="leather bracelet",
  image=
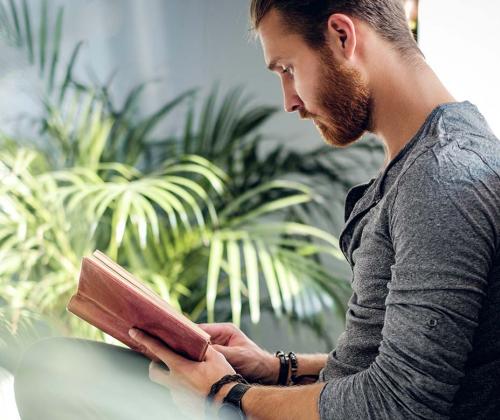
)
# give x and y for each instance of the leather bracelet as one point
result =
(283, 375)
(227, 379)
(231, 405)
(294, 366)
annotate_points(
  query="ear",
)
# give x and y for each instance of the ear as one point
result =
(341, 35)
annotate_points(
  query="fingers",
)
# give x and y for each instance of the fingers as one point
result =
(215, 351)
(226, 351)
(157, 347)
(219, 333)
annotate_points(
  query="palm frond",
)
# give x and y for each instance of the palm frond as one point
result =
(136, 202)
(43, 48)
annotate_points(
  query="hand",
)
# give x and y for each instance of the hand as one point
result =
(187, 380)
(246, 357)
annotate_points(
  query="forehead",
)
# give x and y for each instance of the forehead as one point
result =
(277, 42)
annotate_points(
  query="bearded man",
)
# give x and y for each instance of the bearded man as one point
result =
(422, 335)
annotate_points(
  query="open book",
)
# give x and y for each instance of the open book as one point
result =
(114, 301)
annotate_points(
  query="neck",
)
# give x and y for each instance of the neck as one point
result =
(404, 95)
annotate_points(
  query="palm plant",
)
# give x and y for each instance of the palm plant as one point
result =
(210, 222)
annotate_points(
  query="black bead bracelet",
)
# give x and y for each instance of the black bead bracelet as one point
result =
(283, 375)
(294, 366)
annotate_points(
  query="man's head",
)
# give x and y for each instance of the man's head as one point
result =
(319, 49)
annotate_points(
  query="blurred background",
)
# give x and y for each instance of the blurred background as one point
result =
(152, 131)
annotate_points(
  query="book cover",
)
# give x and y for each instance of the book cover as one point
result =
(113, 300)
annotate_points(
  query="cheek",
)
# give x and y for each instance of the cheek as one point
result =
(308, 82)
(308, 91)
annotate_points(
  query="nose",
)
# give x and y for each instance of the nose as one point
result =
(292, 101)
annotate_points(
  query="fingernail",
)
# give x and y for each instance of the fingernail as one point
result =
(132, 332)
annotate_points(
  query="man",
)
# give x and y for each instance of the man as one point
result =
(422, 337)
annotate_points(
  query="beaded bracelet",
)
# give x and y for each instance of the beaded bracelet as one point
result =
(283, 375)
(294, 366)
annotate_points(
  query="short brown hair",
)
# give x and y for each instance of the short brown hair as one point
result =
(309, 18)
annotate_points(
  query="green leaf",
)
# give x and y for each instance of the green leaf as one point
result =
(132, 99)
(17, 26)
(29, 35)
(151, 216)
(282, 277)
(270, 277)
(290, 228)
(234, 259)
(169, 203)
(43, 35)
(138, 135)
(205, 121)
(188, 128)
(69, 72)
(261, 189)
(198, 190)
(184, 195)
(55, 48)
(207, 173)
(252, 276)
(6, 29)
(271, 206)
(214, 267)
(120, 218)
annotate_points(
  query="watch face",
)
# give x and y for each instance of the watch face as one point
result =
(230, 412)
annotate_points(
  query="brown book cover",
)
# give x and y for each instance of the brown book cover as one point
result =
(113, 300)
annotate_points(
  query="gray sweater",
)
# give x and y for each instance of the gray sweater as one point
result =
(422, 337)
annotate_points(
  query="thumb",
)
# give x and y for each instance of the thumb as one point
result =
(219, 333)
(225, 350)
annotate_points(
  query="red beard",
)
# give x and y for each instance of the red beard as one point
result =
(345, 101)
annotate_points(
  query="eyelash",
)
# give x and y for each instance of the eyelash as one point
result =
(287, 70)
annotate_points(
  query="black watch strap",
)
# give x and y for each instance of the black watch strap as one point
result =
(235, 395)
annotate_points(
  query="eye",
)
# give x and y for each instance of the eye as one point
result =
(287, 70)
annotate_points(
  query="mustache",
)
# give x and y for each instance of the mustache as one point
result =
(306, 115)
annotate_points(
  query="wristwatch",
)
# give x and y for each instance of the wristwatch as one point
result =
(231, 405)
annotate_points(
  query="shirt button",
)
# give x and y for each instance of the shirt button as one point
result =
(432, 323)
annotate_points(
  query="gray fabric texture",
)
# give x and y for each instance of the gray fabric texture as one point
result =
(422, 337)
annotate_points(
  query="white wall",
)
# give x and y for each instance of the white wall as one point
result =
(460, 39)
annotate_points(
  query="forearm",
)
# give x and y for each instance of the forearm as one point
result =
(275, 403)
(297, 402)
(309, 365)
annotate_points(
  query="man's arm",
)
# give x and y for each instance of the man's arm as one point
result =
(443, 224)
(309, 366)
(293, 402)
(271, 403)
(251, 361)
(259, 403)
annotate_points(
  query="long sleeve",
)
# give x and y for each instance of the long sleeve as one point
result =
(443, 220)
